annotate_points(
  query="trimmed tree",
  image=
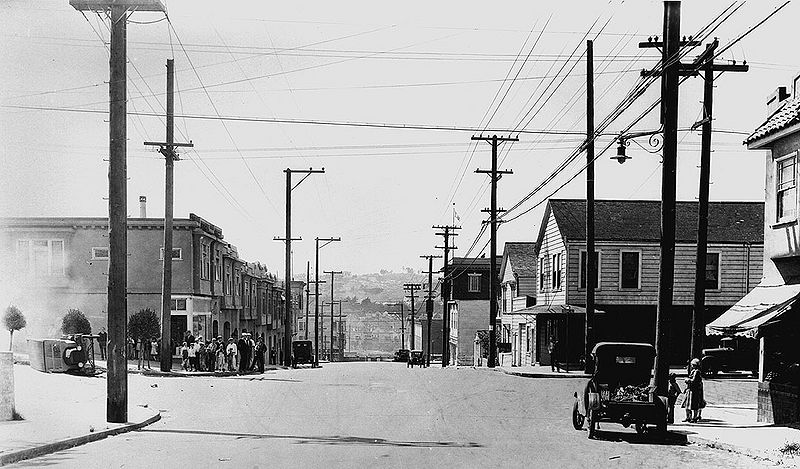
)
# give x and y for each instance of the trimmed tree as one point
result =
(144, 325)
(13, 320)
(75, 322)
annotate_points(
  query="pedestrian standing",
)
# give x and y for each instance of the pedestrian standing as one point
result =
(102, 340)
(554, 350)
(185, 357)
(694, 401)
(220, 354)
(260, 351)
(192, 350)
(201, 355)
(230, 353)
(272, 356)
(242, 348)
(211, 353)
(672, 397)
(140, 354)
(154, 349)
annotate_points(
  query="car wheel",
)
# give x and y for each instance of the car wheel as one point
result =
(641, 428)
(592, 418)
(577, 418)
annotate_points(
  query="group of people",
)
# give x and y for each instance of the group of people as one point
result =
(244, 354)
(694, 401)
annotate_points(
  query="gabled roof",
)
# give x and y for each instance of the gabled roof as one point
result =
(522, 256)
(783, 118)
(474, 263)
(640, 220)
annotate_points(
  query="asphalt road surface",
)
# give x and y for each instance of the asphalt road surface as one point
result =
(373, 415)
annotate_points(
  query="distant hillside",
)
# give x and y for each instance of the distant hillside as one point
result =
(380, 287)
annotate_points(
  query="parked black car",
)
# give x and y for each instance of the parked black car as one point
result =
(416, 358)
(733, 353)
(401, 355)
(619, 390)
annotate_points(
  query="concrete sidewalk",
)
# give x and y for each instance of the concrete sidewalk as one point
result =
(61, 411)
(729, 420)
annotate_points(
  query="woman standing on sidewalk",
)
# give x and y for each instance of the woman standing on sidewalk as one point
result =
(694, 401)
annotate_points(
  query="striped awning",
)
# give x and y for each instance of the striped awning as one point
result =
(763, 305)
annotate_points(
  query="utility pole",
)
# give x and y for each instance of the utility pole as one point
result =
(449, 230)
(412, 287)
(495, 174)
(698, 316)
(117, 307)
(308, 291)
(316, 295)
(341, 334)
(429, 307)
(591, 267)
(170, 156)
(287, 320)
(332, 272)
(402, 322)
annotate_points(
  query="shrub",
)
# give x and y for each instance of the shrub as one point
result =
(75, 322)
(13, 320)
(144, 325)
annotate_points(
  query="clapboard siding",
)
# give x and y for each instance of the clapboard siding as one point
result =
(736, 278)
(552, 244)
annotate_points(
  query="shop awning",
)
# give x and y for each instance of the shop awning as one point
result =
(762, 305)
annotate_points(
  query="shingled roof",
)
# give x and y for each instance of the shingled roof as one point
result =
(522, 256)
(640, 220)
(786, 116)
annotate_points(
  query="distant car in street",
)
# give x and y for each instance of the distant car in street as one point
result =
(302, 352)
(401, 355)
(733, 354)
(416, 358)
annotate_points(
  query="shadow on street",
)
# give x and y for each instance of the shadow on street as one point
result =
(326, 440)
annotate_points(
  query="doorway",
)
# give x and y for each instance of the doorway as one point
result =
(178, 325)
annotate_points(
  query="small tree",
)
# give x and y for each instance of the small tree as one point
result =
(13, 320)
(75, 322)
(144, 325)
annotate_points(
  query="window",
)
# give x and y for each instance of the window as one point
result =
(246, 294)
(99, 254)
(177, 254)
(41, 257)
(786, 188)
(630, 270)
(541, 273)
(179, 304)
(583, 267)
(205, 261)
(556, 278)
(228, 282)
(505, 298)
(217, 266)
(474, 283)
(712, 271)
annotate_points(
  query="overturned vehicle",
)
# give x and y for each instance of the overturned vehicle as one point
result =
(619, 390)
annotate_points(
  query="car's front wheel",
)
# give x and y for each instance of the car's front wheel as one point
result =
(577, 418)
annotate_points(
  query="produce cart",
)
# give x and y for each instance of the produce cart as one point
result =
(619, 390)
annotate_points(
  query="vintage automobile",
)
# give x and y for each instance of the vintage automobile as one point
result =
(401, 355)
(302, 352)
(619, 390)
(415, 358)
(739, 353)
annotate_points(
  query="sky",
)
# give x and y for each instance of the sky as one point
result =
(292, 68)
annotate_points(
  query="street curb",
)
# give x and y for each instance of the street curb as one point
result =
(193, 374)
(29, 453)
(524, 374)
(721, 445)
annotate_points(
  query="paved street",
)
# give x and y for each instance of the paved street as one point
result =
(375, 414)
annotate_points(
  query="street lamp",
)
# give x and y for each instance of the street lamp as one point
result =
(654, 141)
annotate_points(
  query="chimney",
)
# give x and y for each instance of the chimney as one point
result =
(142, 206)
(776, 100)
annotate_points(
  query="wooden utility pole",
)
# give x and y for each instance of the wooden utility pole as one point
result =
(308, 291)
(287, 314)
(332, 272)
(316, 295)
(429, 307)
(412, 288)
(448, 231)
(698, 316)
(591, 265)
(670, 48)
(494, 285)
(170, 157)
(117, 307)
